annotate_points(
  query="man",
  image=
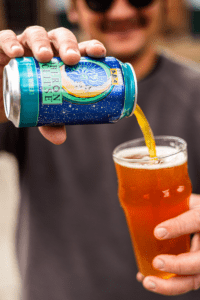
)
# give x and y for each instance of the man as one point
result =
(72, 240)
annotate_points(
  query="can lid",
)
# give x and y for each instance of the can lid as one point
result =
(131, 90)
(29, 87)
(20, 92)
(11, 92)
(133, 87)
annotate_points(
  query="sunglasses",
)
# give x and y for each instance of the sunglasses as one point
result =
(103, 6)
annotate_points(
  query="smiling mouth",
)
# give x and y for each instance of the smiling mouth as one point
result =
(122, 30)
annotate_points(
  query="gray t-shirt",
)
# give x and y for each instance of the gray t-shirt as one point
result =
(72, 238)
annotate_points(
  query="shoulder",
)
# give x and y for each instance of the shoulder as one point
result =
(181, 80)
(182, 71)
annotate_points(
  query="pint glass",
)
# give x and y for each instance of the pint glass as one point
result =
(151, 191)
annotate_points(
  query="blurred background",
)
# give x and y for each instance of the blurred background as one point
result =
(181, 39)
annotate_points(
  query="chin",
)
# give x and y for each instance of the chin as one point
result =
(124, 47)
(123, 53)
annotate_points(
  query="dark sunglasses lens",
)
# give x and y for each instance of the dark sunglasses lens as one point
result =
(98, 5)
(140, 3)
(103, 6)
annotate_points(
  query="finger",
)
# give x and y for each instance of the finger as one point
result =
(194, 201)
(186, 223)
(2, 110)
(140, 277)
(92, 48)
(195, 244)
(9, 45)
(182, 264)
(173, 286)
(4, 60)
(55, 134)
(66, 44)
(37, 40)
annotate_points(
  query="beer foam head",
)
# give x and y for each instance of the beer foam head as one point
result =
(167, 157)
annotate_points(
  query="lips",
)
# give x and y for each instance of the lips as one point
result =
(120, 30)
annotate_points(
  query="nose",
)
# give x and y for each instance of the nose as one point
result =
(121, 9)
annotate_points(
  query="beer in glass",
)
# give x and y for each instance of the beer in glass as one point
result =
(151, 191)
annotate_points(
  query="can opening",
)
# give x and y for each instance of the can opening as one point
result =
(6, 93)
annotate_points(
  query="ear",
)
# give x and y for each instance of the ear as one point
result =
(72, 13)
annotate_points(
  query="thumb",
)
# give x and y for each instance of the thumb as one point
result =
(55, 134)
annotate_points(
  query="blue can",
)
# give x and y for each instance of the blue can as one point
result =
(94, 91)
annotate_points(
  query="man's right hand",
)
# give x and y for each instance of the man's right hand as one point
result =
(36, 41)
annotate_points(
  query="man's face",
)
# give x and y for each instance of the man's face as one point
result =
(124, 30)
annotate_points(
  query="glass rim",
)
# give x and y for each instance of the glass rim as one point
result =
(159, 137)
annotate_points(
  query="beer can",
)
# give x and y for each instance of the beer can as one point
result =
(94, 91)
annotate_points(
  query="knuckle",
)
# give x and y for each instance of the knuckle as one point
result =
(6, 35)
(6, 31)
(52, 33)
(196, 282)
(197, 218)
(178, 268)
(61, 34)
(59, 30)
(67, 44)
(34, 28)
(6, 39)
(71, 43)
(34, 31)
(41, 40)
(178, 226)
(80, 44)
(36, 34)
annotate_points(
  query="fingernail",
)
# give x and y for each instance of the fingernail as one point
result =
(103, 49)
(44, 49)
(72, 51)
(98, 44)
(150, 285)
(158, 263)
(160, 232)
(16, 48)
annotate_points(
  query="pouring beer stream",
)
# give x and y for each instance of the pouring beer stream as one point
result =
(146, 130)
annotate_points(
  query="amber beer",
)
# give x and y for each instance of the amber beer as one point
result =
(150, 192)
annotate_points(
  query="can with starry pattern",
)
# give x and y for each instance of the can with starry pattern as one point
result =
(94, 91)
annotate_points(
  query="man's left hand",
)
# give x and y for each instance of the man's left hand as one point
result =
(186, 265)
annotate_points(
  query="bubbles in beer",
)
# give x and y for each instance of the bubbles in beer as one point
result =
(167, 157)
